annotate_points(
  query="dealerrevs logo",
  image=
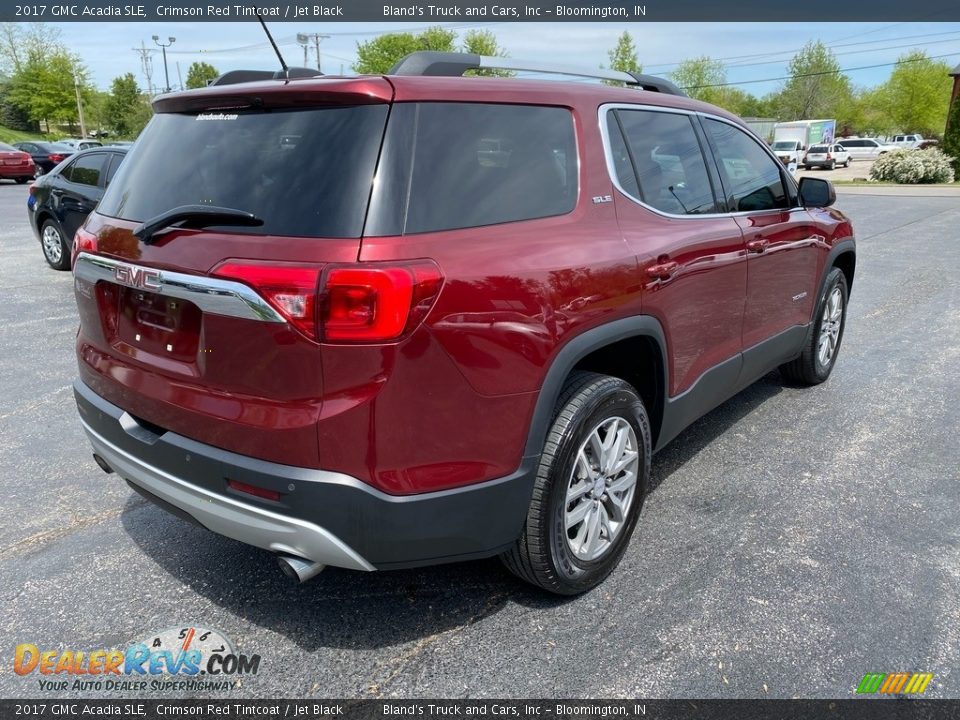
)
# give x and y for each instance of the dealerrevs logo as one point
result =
(185, 658)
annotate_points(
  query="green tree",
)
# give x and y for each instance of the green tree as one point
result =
(126, 110)
(700, 78)
(917, 94)
(43, 87)
(377, 56)
(199, 74)
(816, 88)
(951, 138)
(484, 42)
(623, 57)
(20, 41)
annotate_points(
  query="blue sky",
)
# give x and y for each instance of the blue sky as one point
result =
(106, 48)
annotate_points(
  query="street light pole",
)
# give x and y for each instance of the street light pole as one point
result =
(76, 87)
(164, 46)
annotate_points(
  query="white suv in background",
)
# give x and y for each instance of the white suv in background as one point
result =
(826, 156)
(908, 141)
(865, 148)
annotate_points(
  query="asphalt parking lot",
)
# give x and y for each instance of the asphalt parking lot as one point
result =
(795, 538)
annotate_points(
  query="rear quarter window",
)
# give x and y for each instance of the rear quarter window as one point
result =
(458, 165)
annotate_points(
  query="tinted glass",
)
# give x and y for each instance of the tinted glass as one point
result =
(7, 148)
(115, 160)
(819, 149)
(55, 148)
(459, 165)
(669, 164)
(85, 170)
(303, 172)
(751, 178)
(852, 144)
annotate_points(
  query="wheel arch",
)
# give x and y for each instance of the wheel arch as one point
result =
(633, 349)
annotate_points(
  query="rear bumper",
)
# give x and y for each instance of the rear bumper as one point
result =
(326, 517)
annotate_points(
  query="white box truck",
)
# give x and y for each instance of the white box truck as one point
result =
(791, 139)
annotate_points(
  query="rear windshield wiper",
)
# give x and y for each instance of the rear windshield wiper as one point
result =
(194, 216)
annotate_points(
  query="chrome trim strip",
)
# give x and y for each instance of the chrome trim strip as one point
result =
(612, 168)
(224, 515)
(211, 295)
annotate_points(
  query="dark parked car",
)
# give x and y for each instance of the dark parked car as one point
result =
(46, 155)
(60, 201)
(15, 164)
(475, 355)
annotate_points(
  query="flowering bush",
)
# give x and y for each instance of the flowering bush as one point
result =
(910, 167)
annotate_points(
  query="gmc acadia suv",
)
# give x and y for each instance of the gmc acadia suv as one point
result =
(382, 322)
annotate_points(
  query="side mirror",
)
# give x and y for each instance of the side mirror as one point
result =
(817, 192)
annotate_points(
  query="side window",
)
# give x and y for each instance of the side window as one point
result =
(115, 160)
(752, 178)
(665, 159)
(85, 170)
(462, 165)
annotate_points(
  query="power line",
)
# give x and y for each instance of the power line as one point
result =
(856, 52)
(822, 72)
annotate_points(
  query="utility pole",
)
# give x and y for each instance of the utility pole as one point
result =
(179, 76)
(304, 39)
(304, 42)
(83, 125)
(146, 61)
(164, 46)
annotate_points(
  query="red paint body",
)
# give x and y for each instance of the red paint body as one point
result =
(450, 404)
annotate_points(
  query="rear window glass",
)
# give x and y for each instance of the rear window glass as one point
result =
(7, 148)
(819, 149)
(460, 165)
(303, 172)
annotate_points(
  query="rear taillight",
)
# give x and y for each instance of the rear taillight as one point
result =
(83, 241)
(56, 157)
(829, 156)
(290, 288)
(361, 303)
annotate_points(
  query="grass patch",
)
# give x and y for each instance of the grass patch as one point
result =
(11, 136)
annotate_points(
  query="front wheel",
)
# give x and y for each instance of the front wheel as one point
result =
(589, 488)
(823, 342)
(22, 180)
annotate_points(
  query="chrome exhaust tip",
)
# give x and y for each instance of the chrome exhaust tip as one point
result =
(299, 569)
(104, 465)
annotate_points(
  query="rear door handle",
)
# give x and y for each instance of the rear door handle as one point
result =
(757, 246)
(663, 270)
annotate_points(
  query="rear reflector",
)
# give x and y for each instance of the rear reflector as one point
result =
(83, 241)
(253, 490)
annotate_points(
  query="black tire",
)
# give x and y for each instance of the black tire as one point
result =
(808, 368)
(57, 262)
(806, 167)
(832, 165)
(23, 180)
(542, 555)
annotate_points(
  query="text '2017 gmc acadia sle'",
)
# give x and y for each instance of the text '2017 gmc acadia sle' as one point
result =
(381, 322)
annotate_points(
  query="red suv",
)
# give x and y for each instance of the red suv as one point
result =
(382, 322)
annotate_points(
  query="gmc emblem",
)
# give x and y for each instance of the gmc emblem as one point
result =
(137, 277)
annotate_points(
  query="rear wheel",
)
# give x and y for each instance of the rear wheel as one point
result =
(589, 487)
(832, 165)
(823, 343)
(55, 249)
(22, 180)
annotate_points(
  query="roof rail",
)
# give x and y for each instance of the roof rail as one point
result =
(454, 64)
(243, 76)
